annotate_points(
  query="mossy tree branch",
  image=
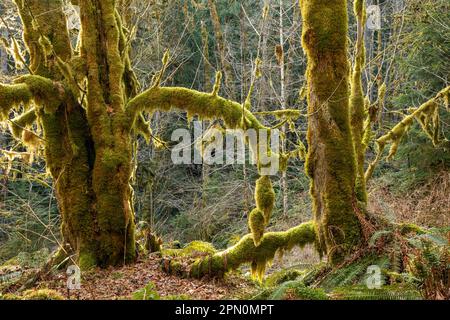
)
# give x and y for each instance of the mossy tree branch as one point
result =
(19, 123)
(428, 117)
(245, 251)
(31, 88)
(11, 96)
(205, 105)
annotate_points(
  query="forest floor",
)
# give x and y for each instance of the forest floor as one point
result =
(122, 282)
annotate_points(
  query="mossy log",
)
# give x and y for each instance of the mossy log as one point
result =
(245, 251)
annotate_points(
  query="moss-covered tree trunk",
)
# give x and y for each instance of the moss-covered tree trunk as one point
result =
(331, 157)
(87, 145)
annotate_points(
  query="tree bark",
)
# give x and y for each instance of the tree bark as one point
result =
(331, 158)
(87, 149)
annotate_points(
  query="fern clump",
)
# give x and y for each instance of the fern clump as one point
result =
(281, 276)
(296, 290)
(430, 265)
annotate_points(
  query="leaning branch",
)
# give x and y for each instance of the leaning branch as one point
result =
(27, 89)
(428, 117)
(12, 96)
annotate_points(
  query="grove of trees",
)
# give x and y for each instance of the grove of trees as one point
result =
(91, 102)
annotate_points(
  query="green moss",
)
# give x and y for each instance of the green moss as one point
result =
(44, 92)
(142, 127)
(281, 276)
(11, 96)
(428, 117)
(256, 223)
(392, 292)
(265, 197)
(406, 228)
(41, 294)
(10, 296)
(87, 260)
(216, 87)
(259, 256)
(331, 161)
(30, 139)
(87, 149)
(153, 243)
(357, 102)
(18, 124)
(292, 114)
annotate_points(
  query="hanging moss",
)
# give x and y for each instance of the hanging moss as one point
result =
(88, 150)
(18, 124)
(357, 103)
(44, 92)
(17, 54)
(257, 224)
(259, 256)
(265, 197)
(428, 117)
(41, 294)
(30, 139)
(11, 96)
(217, 82)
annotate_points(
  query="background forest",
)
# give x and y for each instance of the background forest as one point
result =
(408, 59)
